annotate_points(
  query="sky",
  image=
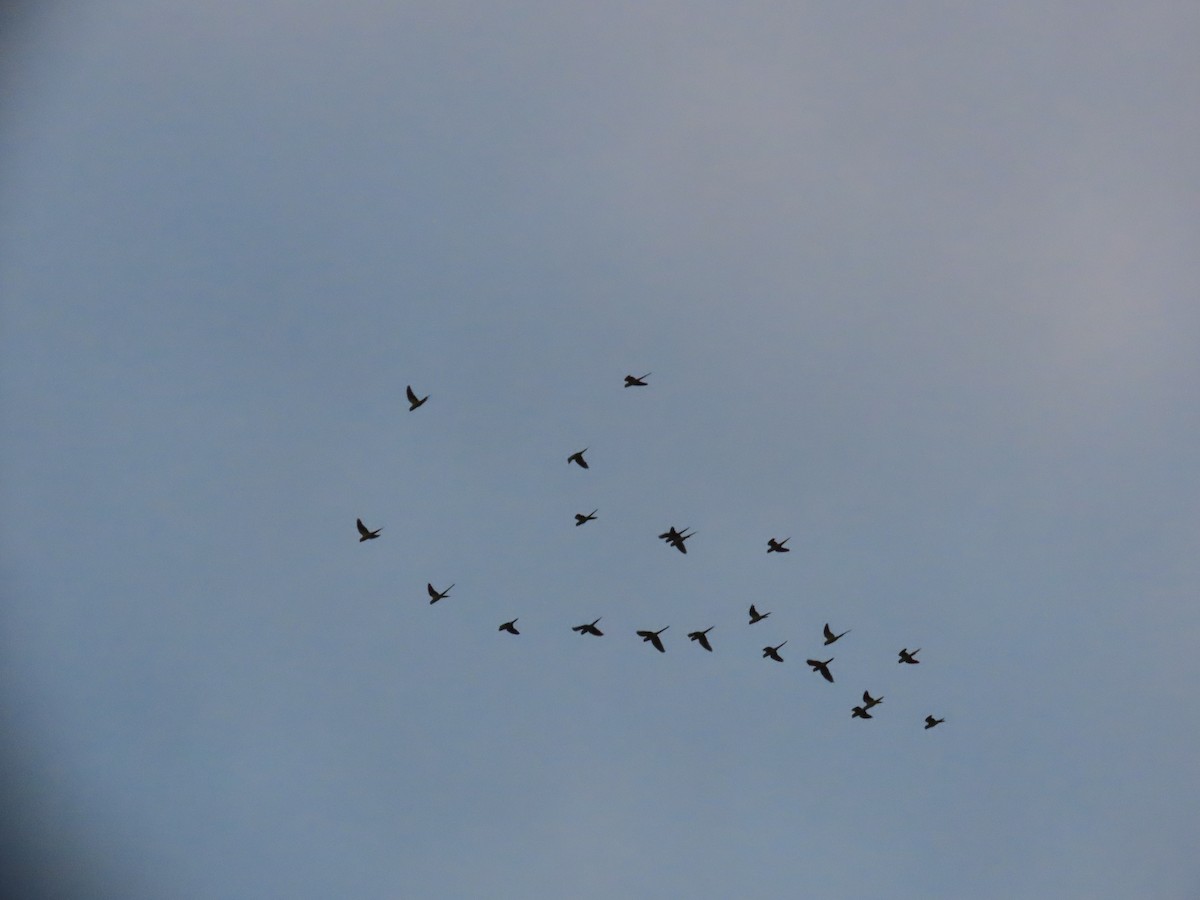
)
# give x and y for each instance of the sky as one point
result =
(917, 285)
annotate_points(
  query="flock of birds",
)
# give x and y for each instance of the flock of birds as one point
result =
(678, 538)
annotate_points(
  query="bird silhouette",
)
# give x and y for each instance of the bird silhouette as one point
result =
(577, 458)
(590, 628)
(365, 534)
(774, 546)
(859, 713)
(755, 615)
(869, 701)
(910, 658)
(653, 638)
(701, 637)
(830, 637)
(631, 381)
(580, 518)
(822, 667)
(930, 721)
(773, 652)
(436, 595)
(510, 627)
(676, 538)
(413, 401)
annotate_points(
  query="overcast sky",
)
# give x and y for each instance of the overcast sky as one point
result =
(918, 288)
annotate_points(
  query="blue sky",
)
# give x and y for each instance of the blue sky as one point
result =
(918, 289)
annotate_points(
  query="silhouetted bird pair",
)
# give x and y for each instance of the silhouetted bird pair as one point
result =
(860, 712)
(676, 538)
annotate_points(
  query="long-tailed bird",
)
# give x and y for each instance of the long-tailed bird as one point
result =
(510, 627)
(364, 533)
(653, 638)
(869, 701)
(773, 652)
(774, 546)
(701, 637)
(631, 381)
(830, 637)
(580, 518)
(822, 667)
(577, 458)
(859, 713)
(413, 400)
(755, 615)
(910, 658)
(676, 538)
(930, 721)
(436, 595)
(590, 628)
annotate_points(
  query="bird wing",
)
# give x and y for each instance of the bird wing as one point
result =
(362, 529)
(412, 397)
(828, 633)
(703, 639)
(432, 593)
(658, 644)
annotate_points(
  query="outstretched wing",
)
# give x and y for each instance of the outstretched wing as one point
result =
(362, 529)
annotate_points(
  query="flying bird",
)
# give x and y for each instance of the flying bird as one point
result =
(676, 538)
(774, 546)
(413, 401)
(910, 658)
(510, 627)
(653, 638)
(859, 713)
(930, 721)
(580, 518)
(701, 637)
(436, 595)
(577, 458)
(755, 615)
(773, 652)
(589, 629)
(631, 381)
(822, 667)
(869, 701)
(365, 534)
(830, 637)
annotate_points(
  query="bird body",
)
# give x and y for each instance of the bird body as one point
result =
(364, 533)
(701, 637)
(774, 546)
(413, 400)
(589, 628)
(755, 615)
(510, 627)
(577, 458)
(631, 381)
(435, 595)
(653, 638)
(909, 657)
(830, 637)
(859, 713)
(869, 701)
(822, 667)
(580, 518)
(930, 721)
(773, 652)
